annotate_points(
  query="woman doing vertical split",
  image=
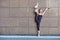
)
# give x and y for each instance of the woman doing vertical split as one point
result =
(39, 13)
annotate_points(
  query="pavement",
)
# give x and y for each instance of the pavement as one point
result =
(16, 37)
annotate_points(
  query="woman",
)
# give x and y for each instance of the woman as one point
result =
(38, 16)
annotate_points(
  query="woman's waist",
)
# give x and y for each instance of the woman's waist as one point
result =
(39, 15)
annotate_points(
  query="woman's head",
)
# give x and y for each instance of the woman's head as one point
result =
(40, 10)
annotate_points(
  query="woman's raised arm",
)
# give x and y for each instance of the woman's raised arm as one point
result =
(45, 10)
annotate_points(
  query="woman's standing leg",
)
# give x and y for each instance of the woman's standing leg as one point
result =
(38, 23)
(40, 17)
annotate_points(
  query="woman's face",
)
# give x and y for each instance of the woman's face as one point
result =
(41, 11)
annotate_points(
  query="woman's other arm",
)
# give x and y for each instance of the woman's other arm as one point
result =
(45, 10)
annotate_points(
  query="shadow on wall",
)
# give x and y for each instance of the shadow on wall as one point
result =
(4, 3)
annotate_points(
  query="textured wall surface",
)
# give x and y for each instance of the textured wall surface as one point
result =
(17, 17)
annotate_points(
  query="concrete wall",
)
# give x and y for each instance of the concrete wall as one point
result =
(17, 17)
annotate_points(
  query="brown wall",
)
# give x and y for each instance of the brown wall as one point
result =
(17, 17)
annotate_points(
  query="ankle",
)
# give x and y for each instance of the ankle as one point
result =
(39, 31)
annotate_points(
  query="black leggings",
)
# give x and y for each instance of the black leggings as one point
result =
(38, 20)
